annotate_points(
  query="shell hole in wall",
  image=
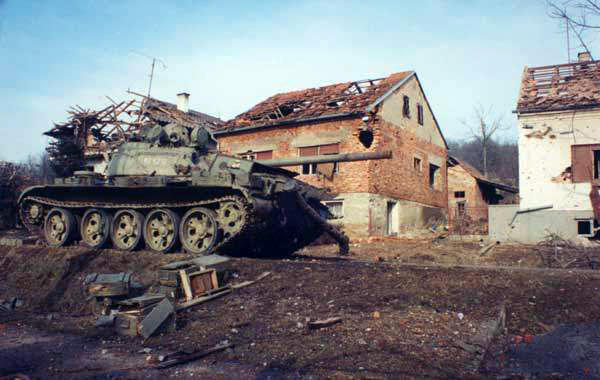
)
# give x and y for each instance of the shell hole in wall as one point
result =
(365, 137)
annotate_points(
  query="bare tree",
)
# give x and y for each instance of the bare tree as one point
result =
(482, 126)
(578, 16)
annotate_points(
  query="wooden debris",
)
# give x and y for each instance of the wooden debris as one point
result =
(156, 318)
(216, 294)
(487, 248)
(185, 285)
(184, 358)
(324, 323)
(246, 283)
(108, 285)
(202, 282)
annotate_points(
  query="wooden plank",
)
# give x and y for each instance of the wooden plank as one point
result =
(199, 300)
(324, 323)
(185, 284)
(246, 283)
(189, 357)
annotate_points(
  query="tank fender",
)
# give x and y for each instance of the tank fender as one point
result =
(27, 192)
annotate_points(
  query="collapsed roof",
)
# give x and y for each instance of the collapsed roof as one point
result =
(560, 87)
(342, 99)
(101, 131)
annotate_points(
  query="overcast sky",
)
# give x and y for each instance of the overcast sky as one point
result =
(231, 55)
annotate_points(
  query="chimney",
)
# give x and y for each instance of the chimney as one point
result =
(183, 100)
(584, 56)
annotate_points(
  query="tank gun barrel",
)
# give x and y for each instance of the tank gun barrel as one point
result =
(327, 158)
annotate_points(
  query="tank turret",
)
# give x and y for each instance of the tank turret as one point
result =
(171, 188)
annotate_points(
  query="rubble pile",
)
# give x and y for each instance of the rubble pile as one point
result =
(557, 252)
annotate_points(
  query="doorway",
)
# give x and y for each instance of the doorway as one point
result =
(392, 219)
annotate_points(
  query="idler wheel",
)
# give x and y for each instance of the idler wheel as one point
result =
(95, 228)
(230, 217)
(161, 230)
(198, 231)
(126, 229)
(59, 227)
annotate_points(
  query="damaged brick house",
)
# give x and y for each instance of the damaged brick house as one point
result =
(372, 198)
(559, 153)
(97, 133)
(469, 195)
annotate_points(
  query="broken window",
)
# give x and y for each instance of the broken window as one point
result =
(417, 164)
(459, 194)
(327, 168)
(406, 106)
(264, 155)
(420, 114)
(585, 162)
(336, 208)
(433, 176)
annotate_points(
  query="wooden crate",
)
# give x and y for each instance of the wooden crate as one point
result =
(198, 283)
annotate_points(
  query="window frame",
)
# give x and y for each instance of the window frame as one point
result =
(312, 169)
(328, 204)
(585, 163)
(418, 161)
(253, 156)
(433, 185)
(420, 116)
(457, 194)
(406, 106)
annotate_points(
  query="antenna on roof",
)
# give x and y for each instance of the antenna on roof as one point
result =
(154, 60)
(568, 42)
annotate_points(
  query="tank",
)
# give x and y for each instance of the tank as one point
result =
(169, 188)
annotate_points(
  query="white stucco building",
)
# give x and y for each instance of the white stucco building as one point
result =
(558, 115)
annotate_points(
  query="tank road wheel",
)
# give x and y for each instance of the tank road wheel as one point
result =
(126, 229)
(198, 231)
(59, 227)
(230, 217)
(34, 212)
(161, 230)
(95, 228)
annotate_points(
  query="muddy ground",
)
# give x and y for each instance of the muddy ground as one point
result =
(399, 320)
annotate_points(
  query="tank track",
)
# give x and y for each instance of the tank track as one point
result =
(227, 243)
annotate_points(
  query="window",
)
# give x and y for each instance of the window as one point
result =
(460, 209)
(420, 114)
(327, 169)
(585, 162)
(417, 164)
(584, 227)
(264, 155)
(459, 194)
(406, 106)
(336, 208)
(433, 176)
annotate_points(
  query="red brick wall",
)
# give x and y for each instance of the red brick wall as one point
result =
(394, 177)
(476, 207)
(351, 176)
(397, 177)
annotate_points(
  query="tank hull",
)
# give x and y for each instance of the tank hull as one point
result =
(266, 226)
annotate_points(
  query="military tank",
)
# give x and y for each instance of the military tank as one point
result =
(170, 188)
